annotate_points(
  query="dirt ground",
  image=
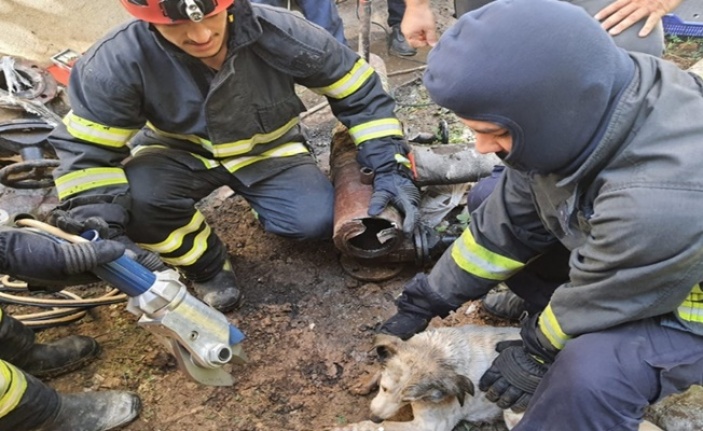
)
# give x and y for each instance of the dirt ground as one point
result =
(308, 323)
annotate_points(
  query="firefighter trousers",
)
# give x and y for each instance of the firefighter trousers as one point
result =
(297, 202)
(603, 381)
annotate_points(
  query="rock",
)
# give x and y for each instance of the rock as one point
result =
(680, 412)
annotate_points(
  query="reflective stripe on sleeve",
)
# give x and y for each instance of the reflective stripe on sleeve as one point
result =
(88, 179)
(551, 329)
(376, 129)
(481, 262)
(97, 133)
(13, 385)
(691, 309)
(349, 83)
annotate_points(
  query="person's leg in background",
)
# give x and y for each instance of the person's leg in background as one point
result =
(321, 12)
(325, 14)
(396, 41)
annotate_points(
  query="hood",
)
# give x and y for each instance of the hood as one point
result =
(544, 69)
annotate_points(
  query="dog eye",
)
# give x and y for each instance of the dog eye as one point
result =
(383, 388)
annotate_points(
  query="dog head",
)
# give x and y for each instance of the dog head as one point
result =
(414, 372)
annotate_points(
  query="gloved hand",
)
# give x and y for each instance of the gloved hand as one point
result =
(397, 189)
(41, 261)
(69, 222)
(391, 183)
(515, 374)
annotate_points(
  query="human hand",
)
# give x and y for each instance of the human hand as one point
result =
(622, 14)
(397, 189)
(42, 261)
(418, 26)
(513, 378)
(73, 224)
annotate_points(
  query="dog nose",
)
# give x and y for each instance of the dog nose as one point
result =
(376, 419)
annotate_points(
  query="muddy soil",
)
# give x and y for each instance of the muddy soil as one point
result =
(308, 323)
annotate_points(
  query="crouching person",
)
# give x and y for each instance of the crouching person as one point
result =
(597, 143)
(27, 404)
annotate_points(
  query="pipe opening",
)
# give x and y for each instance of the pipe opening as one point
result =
(378, 238)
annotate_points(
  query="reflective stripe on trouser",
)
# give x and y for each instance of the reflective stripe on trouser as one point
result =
(605, 380)
(296, 202)
(25, 402)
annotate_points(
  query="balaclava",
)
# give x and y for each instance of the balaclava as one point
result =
(544, 69)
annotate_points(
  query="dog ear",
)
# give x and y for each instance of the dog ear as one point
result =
(436, 391)
(386, 345)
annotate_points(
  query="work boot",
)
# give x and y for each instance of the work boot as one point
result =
(220, 292)
(404, 324)
(18, 347)
(505, 305)
(397, 43)
(94, 411)
(58, 357)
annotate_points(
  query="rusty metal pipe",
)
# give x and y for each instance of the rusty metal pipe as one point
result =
(356, 233)
(451, 164)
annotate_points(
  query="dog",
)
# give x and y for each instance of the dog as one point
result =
(434, 372)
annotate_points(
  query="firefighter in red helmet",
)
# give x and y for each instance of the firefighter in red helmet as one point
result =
(194, 95)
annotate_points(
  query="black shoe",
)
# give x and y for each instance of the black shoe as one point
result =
(58, 357)
(404, 325)
(504, 305)
(220, 292)
(397, 43)
(94, 411)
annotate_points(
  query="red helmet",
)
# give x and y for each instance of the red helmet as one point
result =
(170, 11)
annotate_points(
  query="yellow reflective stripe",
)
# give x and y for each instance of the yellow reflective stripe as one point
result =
(551, 329)
(284, 150)
(97, 133)
(691, 309)
(479, 261)
(402, 160)
(376, 129)
(87, 179)
(229, 149)
(175, 239)
(13, 385)
(199, 247)
(349, 83)
(208, 163)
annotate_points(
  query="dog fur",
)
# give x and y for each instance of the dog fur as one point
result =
(434, 372)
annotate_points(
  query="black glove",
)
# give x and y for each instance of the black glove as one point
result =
(515, 374)
(397, 189)
(391, 183)
(43, 262)
(73, 223)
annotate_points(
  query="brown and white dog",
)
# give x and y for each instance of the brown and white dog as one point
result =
(434, 372)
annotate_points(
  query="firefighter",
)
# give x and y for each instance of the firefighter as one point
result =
(635, 26)
(599, 147)
(25, 402)
(201, 94)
